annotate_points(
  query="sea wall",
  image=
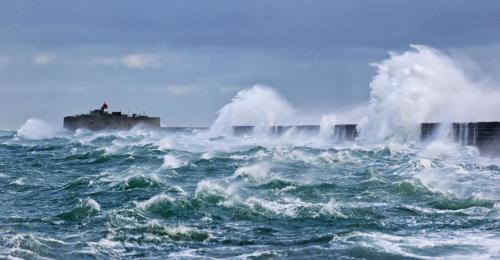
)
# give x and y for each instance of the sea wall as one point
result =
(345, 132)
(484, 135)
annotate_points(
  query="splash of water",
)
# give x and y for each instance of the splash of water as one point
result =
(423, 85)
(327, 126)
(259, 106)
(36, 129)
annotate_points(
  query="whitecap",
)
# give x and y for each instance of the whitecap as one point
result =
(207, 156)
(155, 201)
(19, 181)
(36, 129)
(255, 173)
(332, 208)
(211, 189)
(92, 204)
(171, 162)
(165, 143)
(461, 182)
(482, 245)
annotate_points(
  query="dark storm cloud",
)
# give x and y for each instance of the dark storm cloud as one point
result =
(264, 24)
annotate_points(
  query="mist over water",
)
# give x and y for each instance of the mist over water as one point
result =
(199, 194)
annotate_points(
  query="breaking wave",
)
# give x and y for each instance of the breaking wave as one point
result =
(424, 85)
(36, 129)
(259, 106)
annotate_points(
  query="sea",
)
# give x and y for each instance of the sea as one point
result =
(158, 195)
(211, 194)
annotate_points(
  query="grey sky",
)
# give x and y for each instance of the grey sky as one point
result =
(183, 60)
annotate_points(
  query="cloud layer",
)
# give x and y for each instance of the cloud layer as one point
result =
(183, 60)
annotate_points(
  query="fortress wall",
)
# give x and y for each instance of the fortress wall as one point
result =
(109, 122)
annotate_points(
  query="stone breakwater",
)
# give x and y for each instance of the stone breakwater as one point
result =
(483, 135)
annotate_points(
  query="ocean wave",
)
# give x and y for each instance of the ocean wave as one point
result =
(167, 206)
(28, 245)
(174, 232)
(139, 182)
(171, 162)
(256, 173)
(214, 191)
(443, 245)
(36, 129)
(85, 208)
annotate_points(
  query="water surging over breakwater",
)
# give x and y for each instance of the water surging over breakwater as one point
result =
(424, 85)
(410, 90)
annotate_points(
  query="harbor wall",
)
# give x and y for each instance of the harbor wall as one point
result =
(483, 135)
(344, 132)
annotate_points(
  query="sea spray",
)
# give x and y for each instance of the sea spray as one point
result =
(258, 106)
(36, 129)
(423, 85)
(327, 126)
(172, 162)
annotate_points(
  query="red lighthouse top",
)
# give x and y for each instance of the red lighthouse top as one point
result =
(104, 106)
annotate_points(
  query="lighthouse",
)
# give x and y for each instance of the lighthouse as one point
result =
(104, 108)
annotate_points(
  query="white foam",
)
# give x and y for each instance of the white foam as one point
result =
(423, 85)
(155, 200)
(294, 207)
(187, 254)
(439, 149)
(27, 244)
(255, 173)
(181, 230)
(259, 106)
(344, 156)
(327, 126)
(460, 182)
(212, 188)
(179, 190)
(485, 245)
(265, 254)
(332, 208)
(207, 156)
(287, 208)
(19, 181)
(165, 143)
(92, 204)
(423, 164)
(36, 129)
(171, 162)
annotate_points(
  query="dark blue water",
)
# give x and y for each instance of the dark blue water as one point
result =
(142, 194)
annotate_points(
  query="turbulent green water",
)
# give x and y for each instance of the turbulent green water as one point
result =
(143, 194)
